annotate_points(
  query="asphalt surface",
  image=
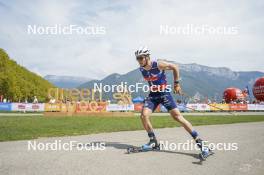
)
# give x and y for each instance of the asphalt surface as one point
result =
(15, 158)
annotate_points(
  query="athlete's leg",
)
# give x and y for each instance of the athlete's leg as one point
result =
(145, 118)
(176, 115)
(168, 101)
(149, 106)
(171, 106)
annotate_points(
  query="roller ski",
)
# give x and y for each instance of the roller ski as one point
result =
(205, 150)
(151, 146)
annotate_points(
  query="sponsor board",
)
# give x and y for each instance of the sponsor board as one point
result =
(219, 107)
(38, 107)
(5, 106)
(198, 107)
(52, 107)
(255, 107)
(117, 107)
(92, 106)
(238, 107)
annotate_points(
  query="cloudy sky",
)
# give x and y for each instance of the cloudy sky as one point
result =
(128, 25)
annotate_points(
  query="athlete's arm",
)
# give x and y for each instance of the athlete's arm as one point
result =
(163, 65)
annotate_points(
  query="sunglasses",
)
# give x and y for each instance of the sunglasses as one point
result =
(140, 58)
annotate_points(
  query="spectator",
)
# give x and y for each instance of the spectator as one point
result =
(35, 100)
(52, 101)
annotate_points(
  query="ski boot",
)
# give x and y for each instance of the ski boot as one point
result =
(151, 145)
(205, 151)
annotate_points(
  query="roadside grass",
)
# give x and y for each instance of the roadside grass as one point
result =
(32, 127)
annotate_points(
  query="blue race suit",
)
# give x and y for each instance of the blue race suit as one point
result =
(159, 94)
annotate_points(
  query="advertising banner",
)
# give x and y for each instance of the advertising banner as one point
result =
(255, 107)
(182, 107)
(198, 107)
(92, 106)
(52, 107)
(238, 107)
(5, 106)
(38, 107)
(117, 107)
(219, 107)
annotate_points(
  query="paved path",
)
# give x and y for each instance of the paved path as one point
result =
(248, 159)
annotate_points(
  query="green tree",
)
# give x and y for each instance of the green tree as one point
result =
(18, 83)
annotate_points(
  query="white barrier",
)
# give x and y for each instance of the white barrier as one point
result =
(255, 107)
(198, 107)
(116, 107)
(38, 107)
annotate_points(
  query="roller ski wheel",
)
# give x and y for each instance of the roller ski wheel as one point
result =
(205, 154)
(142, 149)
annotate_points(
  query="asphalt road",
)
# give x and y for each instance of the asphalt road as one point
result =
(15, 158)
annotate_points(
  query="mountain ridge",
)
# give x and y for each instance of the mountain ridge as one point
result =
(204, 80)
(65, 81)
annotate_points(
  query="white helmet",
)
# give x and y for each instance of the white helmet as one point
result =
(142, 51)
